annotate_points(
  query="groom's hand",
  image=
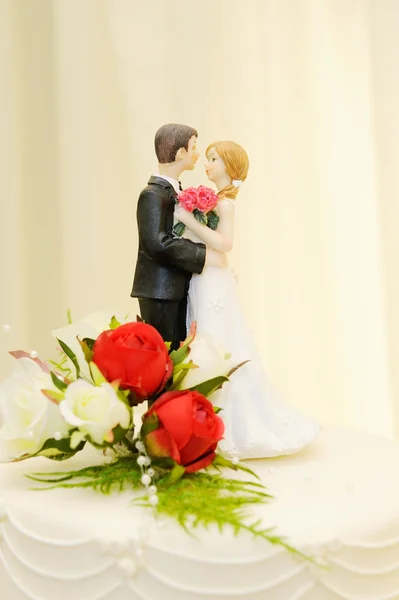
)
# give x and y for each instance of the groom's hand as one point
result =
(215, 259)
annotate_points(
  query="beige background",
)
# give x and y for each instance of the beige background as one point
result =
(309, 87)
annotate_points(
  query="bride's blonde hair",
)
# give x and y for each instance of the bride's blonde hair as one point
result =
(237, 164)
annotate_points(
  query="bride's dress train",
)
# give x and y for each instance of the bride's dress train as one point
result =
(258, 424)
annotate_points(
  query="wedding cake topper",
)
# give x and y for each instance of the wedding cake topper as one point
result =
(165, 261)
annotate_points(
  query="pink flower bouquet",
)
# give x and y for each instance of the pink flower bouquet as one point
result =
(200, 201)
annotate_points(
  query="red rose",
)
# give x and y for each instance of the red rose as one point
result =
(188, 429)
(189, 199)
(136, 355)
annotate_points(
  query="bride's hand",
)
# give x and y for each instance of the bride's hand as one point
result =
(183, 215)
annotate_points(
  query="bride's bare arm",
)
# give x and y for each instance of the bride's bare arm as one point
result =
(215, 259)
(222, 238)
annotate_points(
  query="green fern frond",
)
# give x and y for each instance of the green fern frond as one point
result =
(196, 500)
(205, 500)
(62, 365)
(120, 474)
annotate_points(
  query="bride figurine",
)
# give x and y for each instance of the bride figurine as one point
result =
(257, 423)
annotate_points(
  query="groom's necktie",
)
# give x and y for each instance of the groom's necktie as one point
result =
(180, 187)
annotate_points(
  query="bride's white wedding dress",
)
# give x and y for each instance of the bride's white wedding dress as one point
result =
(257, 423)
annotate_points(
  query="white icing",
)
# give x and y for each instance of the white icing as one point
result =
(79, 545)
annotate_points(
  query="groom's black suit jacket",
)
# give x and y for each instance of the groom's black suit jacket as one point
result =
(164, 263)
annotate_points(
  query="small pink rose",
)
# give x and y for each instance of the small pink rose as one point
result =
(207, 199)
(188, 199)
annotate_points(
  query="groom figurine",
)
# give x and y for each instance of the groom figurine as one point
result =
(165, 263)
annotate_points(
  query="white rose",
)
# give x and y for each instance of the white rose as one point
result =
(28, 417)
(94, 410)
(210, 359)
(89, 327)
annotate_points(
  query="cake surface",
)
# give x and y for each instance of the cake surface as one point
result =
(337, 500)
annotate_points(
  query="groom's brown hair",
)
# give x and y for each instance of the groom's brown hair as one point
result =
(170, 138)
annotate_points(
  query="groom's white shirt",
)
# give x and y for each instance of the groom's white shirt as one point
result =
(172, 181)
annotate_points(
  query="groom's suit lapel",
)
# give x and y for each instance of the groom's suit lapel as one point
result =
(166, 185)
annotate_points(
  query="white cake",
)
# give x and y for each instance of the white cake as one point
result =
(338, 499)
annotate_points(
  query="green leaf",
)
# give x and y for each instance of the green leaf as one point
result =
(134, 399)
(21, 458)
(97, 376)
(163, 463)
(222, 461)
(123, 396)
(77, 438)
(61, 385)
(237, 367)
(206, 388)
(217, 409)
(119, 434)
(180, 354)
(178, 229)
(59, 449)
(200, 216)
(213, 219)
(175, 474)
(114, 324)
(71, 355)
(69, 316)
(180, 373)
(86, 349)
(54, 396)
(184, 367)
(191, 335)
(55, 454)
(89, 343)
(149, 424)
(177, 382)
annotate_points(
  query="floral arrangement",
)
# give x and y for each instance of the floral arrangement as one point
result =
(89, 396)
(200, 201)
